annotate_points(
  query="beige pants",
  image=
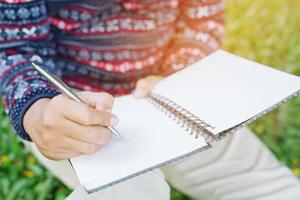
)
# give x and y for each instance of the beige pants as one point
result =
(239, 167)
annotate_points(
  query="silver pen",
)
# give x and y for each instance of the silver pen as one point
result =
(65, 89)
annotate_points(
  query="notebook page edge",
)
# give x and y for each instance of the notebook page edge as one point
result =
(96, 189)
(223, 133)
(85, 181)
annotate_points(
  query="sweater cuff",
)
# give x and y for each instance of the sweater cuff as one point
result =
(23, 104)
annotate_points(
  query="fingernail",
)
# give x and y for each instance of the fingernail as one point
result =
(114, 121)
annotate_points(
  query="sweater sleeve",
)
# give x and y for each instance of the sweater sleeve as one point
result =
(24, 37)
(199, 32)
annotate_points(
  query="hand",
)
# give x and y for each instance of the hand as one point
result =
(144, 86)
(63, 128)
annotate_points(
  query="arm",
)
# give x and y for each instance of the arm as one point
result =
(24, 37)
(60, 127)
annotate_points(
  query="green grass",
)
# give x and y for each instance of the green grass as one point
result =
(269, 32)
(263, 30)
(21, 177)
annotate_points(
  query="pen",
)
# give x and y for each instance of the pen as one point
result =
(65, 89)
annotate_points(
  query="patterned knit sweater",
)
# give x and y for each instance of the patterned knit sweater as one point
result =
(104, 45)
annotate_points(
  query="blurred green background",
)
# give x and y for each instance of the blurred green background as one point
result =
(267, 31)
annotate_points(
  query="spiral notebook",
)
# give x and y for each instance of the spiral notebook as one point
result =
(183, 115)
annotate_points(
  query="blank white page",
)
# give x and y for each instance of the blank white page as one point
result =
(225, 90)
(151, 138)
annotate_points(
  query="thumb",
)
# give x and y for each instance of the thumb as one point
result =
(98, 100)
(145, 85)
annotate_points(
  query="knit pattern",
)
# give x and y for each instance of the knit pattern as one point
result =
(99, 45)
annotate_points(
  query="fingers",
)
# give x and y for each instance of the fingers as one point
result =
(74, 140)
(79, 146)
(142, 88)
(145, 85)
(85, 115)
(98, 100)
(97, 135)
(63, 128)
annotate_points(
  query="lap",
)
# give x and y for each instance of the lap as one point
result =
(238, 167)
(149, 186)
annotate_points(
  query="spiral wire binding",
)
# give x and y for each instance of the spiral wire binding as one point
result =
(195, 125)
(192, 124)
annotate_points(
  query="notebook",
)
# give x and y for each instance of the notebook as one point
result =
(184, 114)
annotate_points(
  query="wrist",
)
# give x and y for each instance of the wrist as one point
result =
(33, 114)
